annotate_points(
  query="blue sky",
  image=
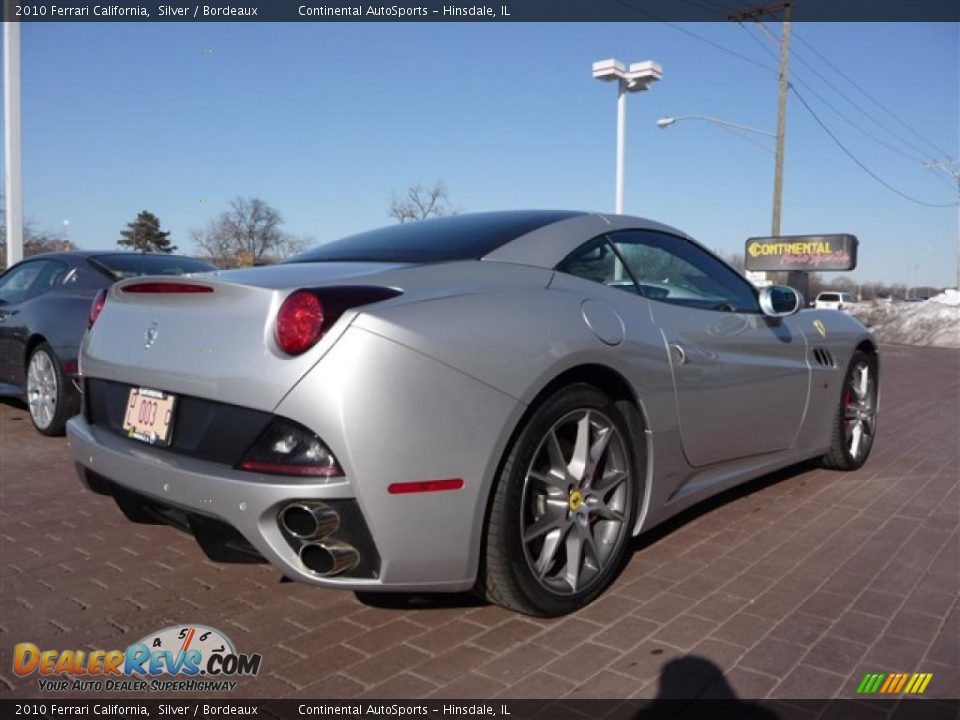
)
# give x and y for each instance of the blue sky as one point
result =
(325, 120)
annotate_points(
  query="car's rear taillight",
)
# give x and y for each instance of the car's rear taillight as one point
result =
(286, 448)
(306, 315)
(96, 307)
(299, 322)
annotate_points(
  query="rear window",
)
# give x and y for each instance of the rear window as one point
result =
(460, 237)
(127, 265)
(828, 297)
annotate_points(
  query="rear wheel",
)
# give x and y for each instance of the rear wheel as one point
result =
(564, 506)
(50, 401)
(855, 422)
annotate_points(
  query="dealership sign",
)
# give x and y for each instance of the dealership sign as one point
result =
(802, 252)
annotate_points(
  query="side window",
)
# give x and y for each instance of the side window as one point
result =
(50, 277)
(596, 261)
(674, 270)
(16, 284)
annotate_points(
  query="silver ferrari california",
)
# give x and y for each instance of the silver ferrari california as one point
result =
(494, 401)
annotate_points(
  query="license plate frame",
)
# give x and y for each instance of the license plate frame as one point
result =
(150, 424)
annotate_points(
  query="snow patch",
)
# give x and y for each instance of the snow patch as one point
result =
(932, 322)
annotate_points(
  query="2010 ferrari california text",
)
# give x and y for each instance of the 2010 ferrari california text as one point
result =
(493, 401)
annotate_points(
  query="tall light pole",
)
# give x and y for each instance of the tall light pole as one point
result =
(635, 78)
(11, 140)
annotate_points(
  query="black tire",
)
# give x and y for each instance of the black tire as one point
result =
(506, 575)
(840, 456)
(66, 401)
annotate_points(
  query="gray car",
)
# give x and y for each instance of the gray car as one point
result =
(494, 401)
(45, 304)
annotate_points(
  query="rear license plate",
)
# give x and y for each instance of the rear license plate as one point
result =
(149, 416)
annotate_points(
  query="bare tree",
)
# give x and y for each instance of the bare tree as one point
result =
(35, 241)
(249, 233)
(420, 203)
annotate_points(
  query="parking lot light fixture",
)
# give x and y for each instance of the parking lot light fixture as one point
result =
(636, 77)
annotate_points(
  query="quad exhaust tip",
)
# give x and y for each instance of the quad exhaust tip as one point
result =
(329, 558)
(308, 521)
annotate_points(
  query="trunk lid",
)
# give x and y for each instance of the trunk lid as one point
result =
(216, 344)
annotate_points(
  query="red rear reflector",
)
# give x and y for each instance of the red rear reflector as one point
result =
(282, 469)
(166, 287)
(424, 486)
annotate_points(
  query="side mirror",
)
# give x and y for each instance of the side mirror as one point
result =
(780, 300)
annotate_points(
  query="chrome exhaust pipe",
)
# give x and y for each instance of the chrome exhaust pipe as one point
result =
(308, 521)
(329, 558)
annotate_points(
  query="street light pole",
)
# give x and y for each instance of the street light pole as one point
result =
(621, 143)
(11, 140)
(637, 78)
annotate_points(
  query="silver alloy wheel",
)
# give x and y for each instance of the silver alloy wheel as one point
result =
(42, 389)
(575, 502)
(860, 410)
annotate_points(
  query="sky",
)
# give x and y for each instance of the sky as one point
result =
(325, 121)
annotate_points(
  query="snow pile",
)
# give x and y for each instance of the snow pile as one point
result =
(932, 322)
(947, 297)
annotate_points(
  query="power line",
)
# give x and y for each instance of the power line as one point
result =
(702, 39)
(839, 113)
(871, 97)
(857, 161)
(866, 113)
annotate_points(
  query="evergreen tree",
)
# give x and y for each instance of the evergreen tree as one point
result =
(144, 235)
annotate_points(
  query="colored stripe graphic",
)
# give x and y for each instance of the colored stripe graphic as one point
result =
(900, 683)
(918, 683)
(870, 683)
(894, 683)
(891, 681)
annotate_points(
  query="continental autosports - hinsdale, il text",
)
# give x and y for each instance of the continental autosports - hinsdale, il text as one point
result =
(392, 11)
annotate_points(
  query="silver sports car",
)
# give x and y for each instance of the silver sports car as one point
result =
(494, 401)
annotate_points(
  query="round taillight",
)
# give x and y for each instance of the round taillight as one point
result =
(96, 307)
(299, 322)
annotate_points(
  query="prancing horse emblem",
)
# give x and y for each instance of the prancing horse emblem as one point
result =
(150, 336)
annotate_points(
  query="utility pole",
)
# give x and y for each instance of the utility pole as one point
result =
(952, 168)
(798, 280)
(11, 137)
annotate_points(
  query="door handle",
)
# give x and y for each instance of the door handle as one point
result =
(678, 354)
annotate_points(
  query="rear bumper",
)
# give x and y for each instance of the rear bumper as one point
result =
(390, 415)
(233, 514)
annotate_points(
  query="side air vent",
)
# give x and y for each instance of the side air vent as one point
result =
(823, 358)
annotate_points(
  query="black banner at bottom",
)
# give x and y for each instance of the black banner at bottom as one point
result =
(547, 709)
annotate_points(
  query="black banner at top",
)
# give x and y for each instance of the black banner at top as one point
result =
(478, 10)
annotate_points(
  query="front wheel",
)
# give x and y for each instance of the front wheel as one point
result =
(50, 401)
(564, 506)
(855, 421)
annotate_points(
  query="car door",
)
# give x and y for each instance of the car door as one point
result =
(19, 287)
(741, 378)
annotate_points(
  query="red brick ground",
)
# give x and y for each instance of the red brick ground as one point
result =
(794, 586)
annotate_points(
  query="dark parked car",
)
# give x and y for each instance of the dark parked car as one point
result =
(45, 304)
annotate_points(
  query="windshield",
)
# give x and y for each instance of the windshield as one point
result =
(829, 297)
(128, 265)
(460, 237)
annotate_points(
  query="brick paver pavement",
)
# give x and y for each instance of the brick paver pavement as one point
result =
(793, 586)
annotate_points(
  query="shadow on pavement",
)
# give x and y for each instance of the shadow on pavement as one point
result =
(692, 677)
